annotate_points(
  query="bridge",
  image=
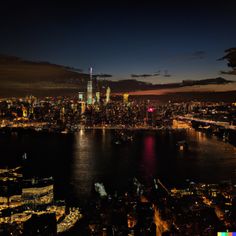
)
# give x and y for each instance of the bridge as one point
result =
(225, 125)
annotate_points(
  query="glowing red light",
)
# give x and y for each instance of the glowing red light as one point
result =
(150, 109)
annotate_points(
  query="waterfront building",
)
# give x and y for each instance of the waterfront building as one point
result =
(151, 116)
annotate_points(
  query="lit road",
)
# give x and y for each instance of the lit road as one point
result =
(226, 125)
(69, 221)
(161, 226)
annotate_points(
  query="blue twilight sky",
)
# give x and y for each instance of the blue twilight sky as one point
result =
(183, 39)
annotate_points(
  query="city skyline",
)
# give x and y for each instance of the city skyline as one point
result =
(118, 118)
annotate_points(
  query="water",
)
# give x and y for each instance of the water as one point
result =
(78, 160)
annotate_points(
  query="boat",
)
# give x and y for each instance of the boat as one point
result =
(100, 189)
(64, 131)
(123, 136)
(182, 145)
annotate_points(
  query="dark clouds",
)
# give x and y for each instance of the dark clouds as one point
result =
(141, 75)
(158, 73)
(103, 76)
(122, 38)
(231, 58)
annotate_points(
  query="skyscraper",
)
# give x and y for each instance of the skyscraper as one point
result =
(108, 93)
(24, 112)
(125, 98)
(82, 107)
(97, 97)
(80, 96)
(90, 88)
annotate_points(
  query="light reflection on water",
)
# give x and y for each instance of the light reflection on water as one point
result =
(77, 161)
(150, 156)
(96, 158)
(83, 164)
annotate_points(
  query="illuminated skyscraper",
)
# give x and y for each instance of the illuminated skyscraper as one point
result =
(31, 110)
(97, 97)
(80, 96)
(90, 88)
(151, 116)
(62, 114)
(108, 93)
(125, 98)
(82, 107)
(24, 112)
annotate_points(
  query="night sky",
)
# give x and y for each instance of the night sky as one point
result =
(177, 38)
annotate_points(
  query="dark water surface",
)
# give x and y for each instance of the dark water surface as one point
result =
(78, 160)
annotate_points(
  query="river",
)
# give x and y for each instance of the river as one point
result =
(78, 160)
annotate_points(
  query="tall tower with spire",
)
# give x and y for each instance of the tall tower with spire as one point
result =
(90, 88)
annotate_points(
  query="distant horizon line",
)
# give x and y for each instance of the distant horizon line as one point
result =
(140, 77)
